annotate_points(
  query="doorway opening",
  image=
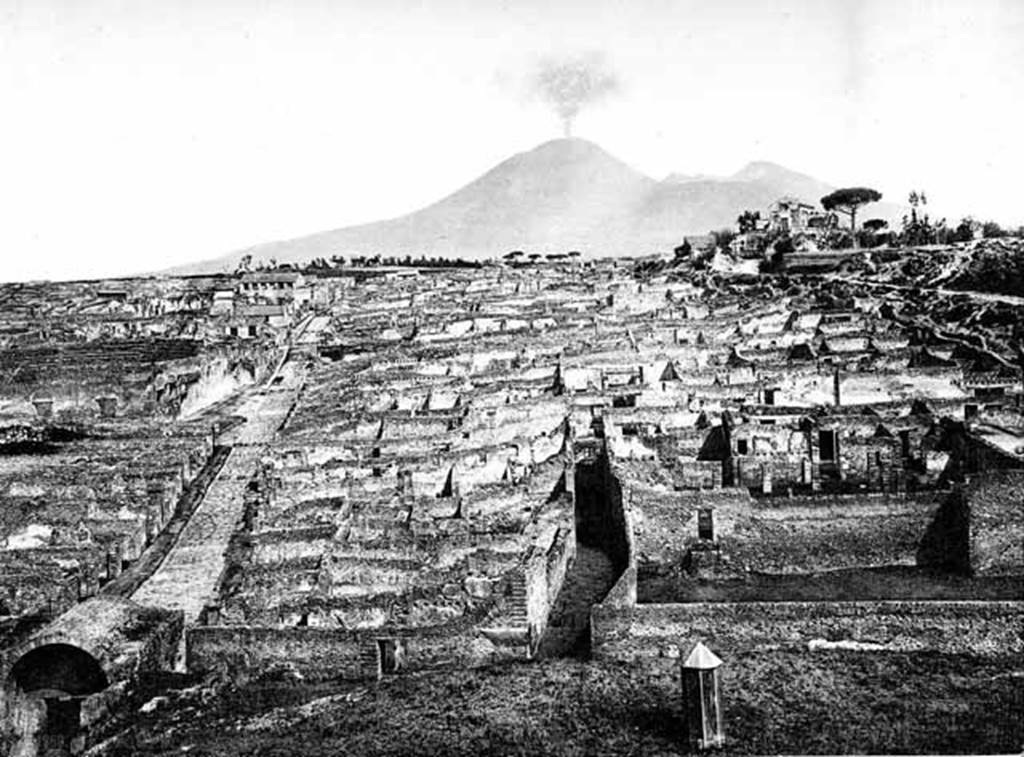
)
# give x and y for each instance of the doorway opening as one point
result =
(390, 652)
(61, 676)
(828, 446)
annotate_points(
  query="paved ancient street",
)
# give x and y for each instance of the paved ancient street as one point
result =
(187, 578)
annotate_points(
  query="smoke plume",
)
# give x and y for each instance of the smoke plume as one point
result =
(570, 84)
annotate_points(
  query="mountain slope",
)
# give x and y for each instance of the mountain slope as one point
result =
(566, 194)
(783, 180)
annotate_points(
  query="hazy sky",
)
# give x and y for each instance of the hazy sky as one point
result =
(136, 134)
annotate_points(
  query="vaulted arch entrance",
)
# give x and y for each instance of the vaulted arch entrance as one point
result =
(47, 686)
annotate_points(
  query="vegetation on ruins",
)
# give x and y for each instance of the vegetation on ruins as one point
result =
(683, 251)
(992, 230)
(848, 200)
(918, 228)
(874, 232)
(319, 265)
(747, 221)
(773, 238)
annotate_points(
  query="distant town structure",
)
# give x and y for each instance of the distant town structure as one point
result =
(791, 216)
(804, 225)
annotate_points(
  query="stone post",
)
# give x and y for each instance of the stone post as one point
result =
(702, 699)
(44, 407)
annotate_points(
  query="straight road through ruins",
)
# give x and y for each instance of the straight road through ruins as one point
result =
(187, 578)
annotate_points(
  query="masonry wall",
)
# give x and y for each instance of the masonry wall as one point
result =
(664, 528)
(545, 574)
(684, 442)
(830, 533)
(772, 474)
(246, 652)
(996, 530)
(160, 649)
(797, 534)
(600, 519)
(980, 457)
(652, 635)
(863, 459)
(698, 474)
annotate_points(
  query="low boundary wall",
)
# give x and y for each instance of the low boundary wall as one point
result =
(246, 652)
(649, 633)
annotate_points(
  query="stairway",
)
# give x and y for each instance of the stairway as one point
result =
(517, 601)
(369, 662)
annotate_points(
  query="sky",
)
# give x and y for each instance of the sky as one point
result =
(140, 134)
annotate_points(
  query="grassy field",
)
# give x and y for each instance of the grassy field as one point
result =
(780, 702)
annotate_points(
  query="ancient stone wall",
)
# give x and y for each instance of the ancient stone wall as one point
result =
(246, 652)
(698, 474)
(981, 457)
(864, 456)
(600, 518)
(545, 572)
(796, 534)
(240, 652)
(831, 533)
(996, 507)
(652, 635)
(770, 474)
(681, 442)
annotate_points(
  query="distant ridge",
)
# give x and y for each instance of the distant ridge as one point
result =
(565, 194)
(783, 180)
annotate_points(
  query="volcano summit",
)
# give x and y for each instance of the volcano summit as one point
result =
(565, 194)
